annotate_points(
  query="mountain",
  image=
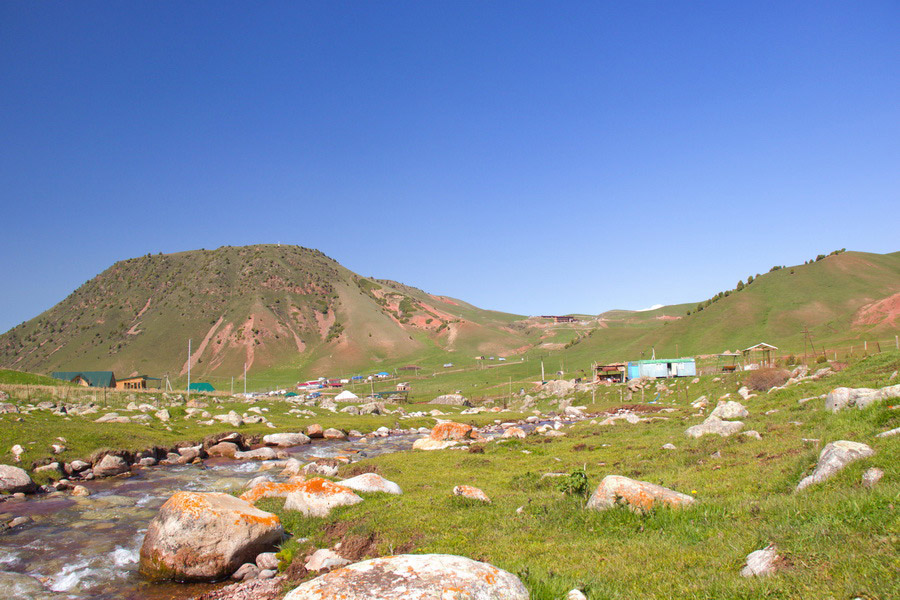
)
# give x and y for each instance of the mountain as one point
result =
(267, 306)
(289, 313)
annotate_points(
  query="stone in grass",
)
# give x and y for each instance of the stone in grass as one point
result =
(316, 497)
(575, 595)
(414, 577)
(730, 410)
(714, 425)
(834, 457)
(14, 480)
(638, 496)
(761, 562)
(472, 493)
(372, 482)
(205, 537)
(872, 476)
(324, 559)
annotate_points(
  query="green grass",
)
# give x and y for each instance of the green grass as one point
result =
(11, 377)
(840, 539)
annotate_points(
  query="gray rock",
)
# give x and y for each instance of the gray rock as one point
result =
(324, 559)
(245, 572)
(760, 563)
(834, 457)
(714, 425)
(730, 410)
(110, 465)
(414, 577)
(872, 476)
(7, 408)
(285, 440)
(639, 496)
(889, 433)
(452, 400)
(264, 453)
(371, 482)
(267, 560)
(669, 447)
(14, 480)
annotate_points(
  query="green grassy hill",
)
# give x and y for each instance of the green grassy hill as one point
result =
(282, 310)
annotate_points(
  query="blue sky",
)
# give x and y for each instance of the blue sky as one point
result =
(534, 157)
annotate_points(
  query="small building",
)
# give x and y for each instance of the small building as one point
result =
(560, 318)
(613, 373)
(201, 386)
(382, 375)
(760, 355)
(727, 362)
(87, 378)
(346, 396)
(662, 368)
(138, 382)
(403, 387)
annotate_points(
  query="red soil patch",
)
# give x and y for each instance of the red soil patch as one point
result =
(666, 318)
(882, 312)
(444, 299)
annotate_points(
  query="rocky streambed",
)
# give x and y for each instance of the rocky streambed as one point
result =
(73, 547)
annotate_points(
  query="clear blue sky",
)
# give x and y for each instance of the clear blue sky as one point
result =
(534, 157)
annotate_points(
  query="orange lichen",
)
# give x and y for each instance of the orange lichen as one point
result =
(451, 431)
(269, 489)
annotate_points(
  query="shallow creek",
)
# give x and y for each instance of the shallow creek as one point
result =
(88, 547)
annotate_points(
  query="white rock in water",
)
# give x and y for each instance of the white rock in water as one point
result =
(834, 457)
(285, 440)
(760, 563)
(323, 559)
(371, 482)
(414, 577)
(264, 453)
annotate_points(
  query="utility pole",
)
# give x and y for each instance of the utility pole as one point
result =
(245, 379)
(542, 371)
(232, 385)
(189, 370)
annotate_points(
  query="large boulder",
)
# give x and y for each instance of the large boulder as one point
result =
(452, 400)
(559, 387)
(264, 453)
(285, 440)
(414, 577)
(14, 480)
(224, 449)
(842, 397)
(110, 465)
(315, 431)
(639, 496)
(205, 537)
(270, 489)
(452, 431)
(714, 425)
(371, 482)
(834, 457)
(729, 410)
(316, 497)
(426, 443)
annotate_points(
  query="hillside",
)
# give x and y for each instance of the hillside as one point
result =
(270, 306)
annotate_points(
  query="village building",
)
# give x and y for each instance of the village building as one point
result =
(612, 373)
(87, 378)
(560, 318)
(662, 368)
(138, 382)
(201, 386)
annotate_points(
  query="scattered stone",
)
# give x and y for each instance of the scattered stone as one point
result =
(110, 465)
(232, 418)
(872, 476)
(760, 563)
(316, 497)
(752, 434)
(371, 482)
(889, 433)
(743, 392)
(514, 432)
(267, 560)
(205, 537)
(334, 434)
(113, 418)
(17, 452)
(700, 402)
(315, 431)
(669, 447)
(427, 443)
(224, 449)
(575, 595)
(7, 408)
(472, 493)
(638, 496)
(163, 415)
(834, 457)
(264, 453)
(80, 490)
(452, 431)
(452, 400)
(266, 574)
(324, 559)
(245, 571)
(414, 577)
(729, 410)
(714, 425)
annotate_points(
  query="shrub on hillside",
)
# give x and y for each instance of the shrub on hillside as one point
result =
(763, 380)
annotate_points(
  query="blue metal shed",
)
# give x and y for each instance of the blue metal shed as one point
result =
(662, 368)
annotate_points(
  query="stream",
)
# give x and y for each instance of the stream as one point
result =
(87, 547)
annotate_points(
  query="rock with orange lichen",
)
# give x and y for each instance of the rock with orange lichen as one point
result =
(639, 496)
(426, 443)
(414, 577)
(514, 432)
(453, 431)
(205, 537)
(315, 431)
(270, 489)
(316, 497)
(472, 493)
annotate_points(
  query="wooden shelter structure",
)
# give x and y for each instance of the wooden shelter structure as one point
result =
(613, 373)
(138, 382)
(727, 362)
(761, 354)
